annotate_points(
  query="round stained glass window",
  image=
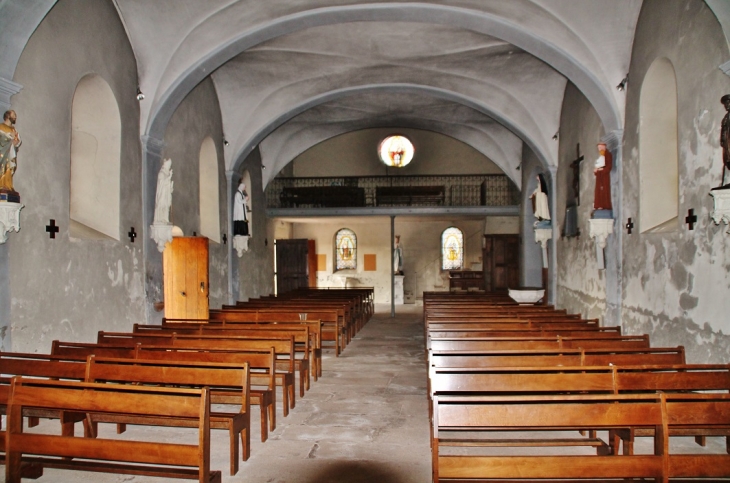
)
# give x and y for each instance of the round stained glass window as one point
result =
(396, 151)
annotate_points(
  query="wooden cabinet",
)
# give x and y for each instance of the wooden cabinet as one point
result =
(466, 279)
(501, 262)
(185, 272)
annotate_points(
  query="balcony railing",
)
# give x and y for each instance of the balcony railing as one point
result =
(372, 191)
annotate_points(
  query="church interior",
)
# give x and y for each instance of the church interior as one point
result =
(584, 142)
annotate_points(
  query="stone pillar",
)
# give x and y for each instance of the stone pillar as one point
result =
(151, 162)
(614, 244)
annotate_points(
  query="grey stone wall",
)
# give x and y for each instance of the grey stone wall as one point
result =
(676, 284)
(254, 270)
(197, 118)
(581, 286)
(67, 288)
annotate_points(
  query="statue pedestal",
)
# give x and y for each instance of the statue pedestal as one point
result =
(161, 233)
(721, 213)
(542, 235)
(599, 229)
(240, 243)
(398, 290)
(9, 219)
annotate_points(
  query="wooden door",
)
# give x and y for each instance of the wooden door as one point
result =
(501, 262)
(312, 262)
(292, 264)
(185, 271)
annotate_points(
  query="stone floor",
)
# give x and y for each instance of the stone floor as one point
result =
(364, 420)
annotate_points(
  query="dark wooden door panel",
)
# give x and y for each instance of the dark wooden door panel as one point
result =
(292, 269)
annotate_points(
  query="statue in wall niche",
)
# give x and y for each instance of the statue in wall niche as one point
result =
(725, 140)
(9, 144)
(540, 201)
(602, 171)
(163, 197)
(240, 211)
(398, 257)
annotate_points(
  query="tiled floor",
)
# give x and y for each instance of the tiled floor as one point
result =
(365, 420)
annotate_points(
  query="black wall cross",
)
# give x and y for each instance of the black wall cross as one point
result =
(225, 238)
(691, 219)
(630, 226)
(132, 235)
(52, 229)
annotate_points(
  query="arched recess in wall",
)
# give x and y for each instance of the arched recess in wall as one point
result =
(96, 139)
(210, 225)
(658, 149)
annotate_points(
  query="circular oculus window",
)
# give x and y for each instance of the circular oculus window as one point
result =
(396, 151)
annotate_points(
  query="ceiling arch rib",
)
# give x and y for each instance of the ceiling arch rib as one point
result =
(558, 55)
(272, 123)
(474, 129)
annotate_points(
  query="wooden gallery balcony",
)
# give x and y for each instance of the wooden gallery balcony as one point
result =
(372, 195)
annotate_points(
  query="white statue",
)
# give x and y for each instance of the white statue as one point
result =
(163, 198)
(542, 211)
(398, 257)
(240, 211)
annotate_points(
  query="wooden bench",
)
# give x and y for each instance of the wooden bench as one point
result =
(262, 367)
(590, 380)
(137, 457)
(558, 357)
(284, 347)
(517, 343)
(658, 412)
(263, 377)
(231, 380)
(304, 344)
(409, 195)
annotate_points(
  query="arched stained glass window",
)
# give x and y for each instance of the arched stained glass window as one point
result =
(345, 250)
(452, 249)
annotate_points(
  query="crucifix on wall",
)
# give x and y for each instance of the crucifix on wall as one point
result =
(575, 166)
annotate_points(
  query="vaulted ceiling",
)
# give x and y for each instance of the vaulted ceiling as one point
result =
(292, 73)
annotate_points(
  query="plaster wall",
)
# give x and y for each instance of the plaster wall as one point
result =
(420, 239)
(66, 288)
(254, 270)
(355, 154)
(581, 286)
(675, 284)
(197, 118)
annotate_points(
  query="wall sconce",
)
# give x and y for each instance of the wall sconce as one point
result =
(556, 135)
(140, 96)
(622, 85)
(225, 141)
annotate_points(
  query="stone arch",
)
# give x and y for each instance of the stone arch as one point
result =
(658, 149)
(96, 137)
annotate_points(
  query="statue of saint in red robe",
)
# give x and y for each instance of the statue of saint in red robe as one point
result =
(604, 163)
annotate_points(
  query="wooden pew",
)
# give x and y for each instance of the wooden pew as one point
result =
(558, 357)
(263, 376)
(660, 413)
(303, 341)
(590, 380)
(314, 326)
(231, 381)
(261, 364)
(283, 347)
(558, 342)
(137, 457)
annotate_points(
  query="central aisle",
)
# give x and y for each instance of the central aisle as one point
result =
(364, 420)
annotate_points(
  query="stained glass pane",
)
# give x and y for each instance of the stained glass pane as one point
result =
(396, 151)
(452, 249)
(345, 250)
